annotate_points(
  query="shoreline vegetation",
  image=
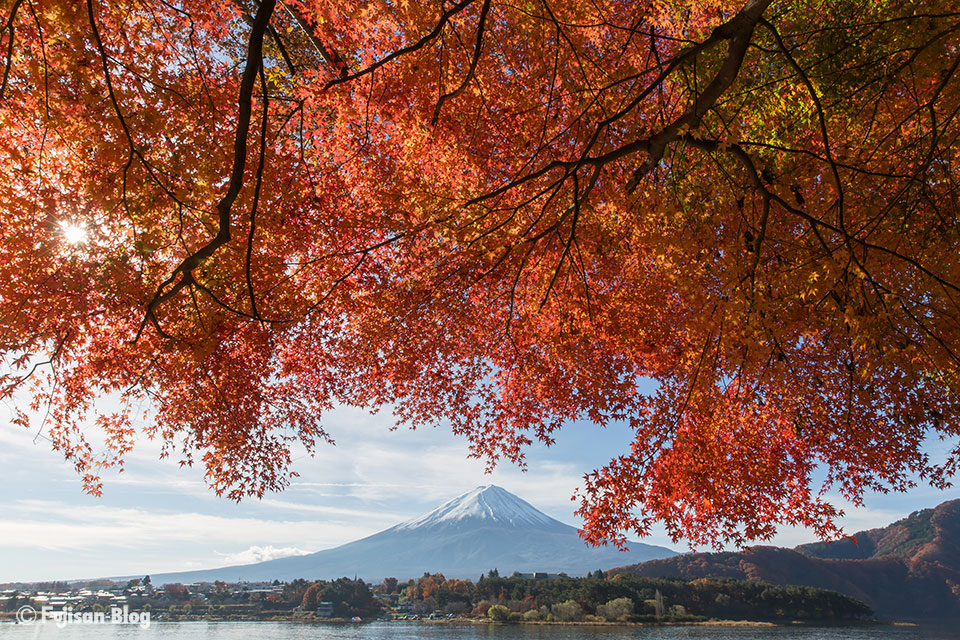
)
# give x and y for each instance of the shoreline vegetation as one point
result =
(310, 618)
(597, 599)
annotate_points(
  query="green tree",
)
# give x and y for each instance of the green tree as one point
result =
(350, 598)
(293, 591)
(498, 613)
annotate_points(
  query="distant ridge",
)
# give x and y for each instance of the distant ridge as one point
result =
(486, 528)
(909, 570)
(903, 538)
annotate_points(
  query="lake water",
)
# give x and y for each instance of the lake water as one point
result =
(418, 631)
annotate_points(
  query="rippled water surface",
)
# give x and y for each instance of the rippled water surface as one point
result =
(416, 631)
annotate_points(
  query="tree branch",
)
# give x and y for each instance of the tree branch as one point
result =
(183, 274)
(739, 31)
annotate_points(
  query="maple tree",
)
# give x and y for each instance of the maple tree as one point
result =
(502, 217)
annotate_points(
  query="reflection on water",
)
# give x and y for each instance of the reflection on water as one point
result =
(426, 631)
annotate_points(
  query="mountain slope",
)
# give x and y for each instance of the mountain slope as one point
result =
(902, 538)
(909, 570)
(483, 529)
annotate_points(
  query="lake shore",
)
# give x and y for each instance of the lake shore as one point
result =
(303, 618)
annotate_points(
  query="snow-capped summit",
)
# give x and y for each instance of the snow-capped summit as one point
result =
(487, 528)
(485, 505)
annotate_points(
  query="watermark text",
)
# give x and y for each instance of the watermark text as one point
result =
(66, 616)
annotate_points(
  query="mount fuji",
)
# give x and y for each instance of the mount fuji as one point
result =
(487, 528)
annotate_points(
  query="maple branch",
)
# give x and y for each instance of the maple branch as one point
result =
(330, 56)
(244, 103)
(419, 44)
(821, 120)
(283, 50)
(9, 61)
(640, 144)
(577, 203)
(738, 31)
(52, 360)
(256, 194)
(46, 68)
(473, 63)
(274, 35)
(758, 183)
(132, 150)
(690, 389)
(364, 254)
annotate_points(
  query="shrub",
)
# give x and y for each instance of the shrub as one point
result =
(619, 609)
(532, 616)
(498, 613)
(482, 607)
(569, 611)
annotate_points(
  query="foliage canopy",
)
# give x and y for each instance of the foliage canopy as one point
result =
(501, 217)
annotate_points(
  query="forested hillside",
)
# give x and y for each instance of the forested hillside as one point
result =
(908, 570)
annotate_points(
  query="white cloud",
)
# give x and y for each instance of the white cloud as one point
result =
(262, 554)
(50, 525)
(366, 514)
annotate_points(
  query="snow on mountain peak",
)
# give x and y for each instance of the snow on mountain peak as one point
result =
(488, 503)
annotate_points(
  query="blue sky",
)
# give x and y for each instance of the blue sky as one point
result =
(157, 517)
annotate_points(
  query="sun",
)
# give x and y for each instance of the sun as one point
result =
(73, 232)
